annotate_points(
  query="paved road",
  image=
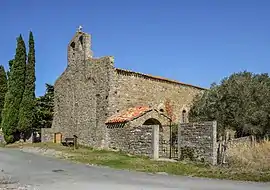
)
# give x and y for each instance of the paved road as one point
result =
(40, 172)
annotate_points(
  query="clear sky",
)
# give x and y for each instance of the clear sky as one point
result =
(193, 41)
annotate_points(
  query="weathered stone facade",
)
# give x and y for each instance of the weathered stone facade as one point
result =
(136, 136)
(91, 89)
(134, 140)
(81, 101)
(133, 89)
(197, 141)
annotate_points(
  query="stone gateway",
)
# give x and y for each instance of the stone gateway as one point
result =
(109, 107)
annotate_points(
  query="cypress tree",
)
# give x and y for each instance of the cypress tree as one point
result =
(26, 114)
(10, 67)
(3, 88)
(14, 94)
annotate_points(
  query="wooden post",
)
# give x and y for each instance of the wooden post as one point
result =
(225, 148)
(75, 142)
(220, 149)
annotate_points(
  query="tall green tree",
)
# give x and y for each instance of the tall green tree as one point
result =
(44, 109)
(241, 102)
(3, 89)
(14, 94)
(10, 67)
(26, 113)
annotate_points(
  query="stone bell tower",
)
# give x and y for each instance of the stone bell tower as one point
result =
(79, 48)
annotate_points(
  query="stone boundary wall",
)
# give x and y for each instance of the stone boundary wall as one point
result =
(198, 141)
(47, 135)
(134, 140)
(240, 141)
(2, 140)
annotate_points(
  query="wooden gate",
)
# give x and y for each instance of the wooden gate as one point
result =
(57, 138)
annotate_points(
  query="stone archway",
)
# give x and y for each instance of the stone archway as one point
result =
(156, 128)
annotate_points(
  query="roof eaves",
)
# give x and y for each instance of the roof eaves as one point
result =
(158, 78)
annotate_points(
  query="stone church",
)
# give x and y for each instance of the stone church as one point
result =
(108, 107)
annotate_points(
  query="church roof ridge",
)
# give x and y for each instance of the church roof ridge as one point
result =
(158, 78)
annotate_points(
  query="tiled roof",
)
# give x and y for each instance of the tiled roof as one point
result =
(128, 115)
(157, 78)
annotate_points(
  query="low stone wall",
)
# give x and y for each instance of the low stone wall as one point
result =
(2, 140)
(197, 141)
(242, 141)
(47, 135)
(134, 140)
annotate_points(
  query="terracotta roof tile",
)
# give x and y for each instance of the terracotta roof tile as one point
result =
(128, 115)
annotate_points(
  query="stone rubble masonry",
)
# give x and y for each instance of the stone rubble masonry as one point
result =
(81, 97)
(81, 102)
(134, 140)
(91, 89)
(135, 137)
(198, 141)
(2, 139)
(132, 89)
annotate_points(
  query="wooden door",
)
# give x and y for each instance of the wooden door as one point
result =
(57, 137)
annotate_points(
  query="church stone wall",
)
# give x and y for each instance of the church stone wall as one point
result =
(132, 89)
(90, 90)
(81, 102)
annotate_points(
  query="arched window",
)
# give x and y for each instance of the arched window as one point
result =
(81, 43)
(81, 40)
(72, 45)
(184, 116)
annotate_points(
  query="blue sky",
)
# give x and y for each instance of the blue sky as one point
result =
(193, 41)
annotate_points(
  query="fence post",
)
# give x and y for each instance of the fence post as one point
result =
(75, 142)
(225, 147)
(214, 136)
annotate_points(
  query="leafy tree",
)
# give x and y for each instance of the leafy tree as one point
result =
(26, 113)
(241, 102)
(14, 94)
(44, 109)
(3, 88)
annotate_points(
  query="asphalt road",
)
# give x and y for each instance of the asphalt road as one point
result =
(40, 172)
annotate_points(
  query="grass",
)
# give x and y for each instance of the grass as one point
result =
(2, 145)
(123, 161)
(256, 157)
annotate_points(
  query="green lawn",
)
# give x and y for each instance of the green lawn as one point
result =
(122, 161)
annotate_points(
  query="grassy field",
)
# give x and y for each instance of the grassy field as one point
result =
(256, 157)
(250, 166)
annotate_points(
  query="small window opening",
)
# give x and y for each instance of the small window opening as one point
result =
(81, 40)
(184, 116)
(72, 45)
